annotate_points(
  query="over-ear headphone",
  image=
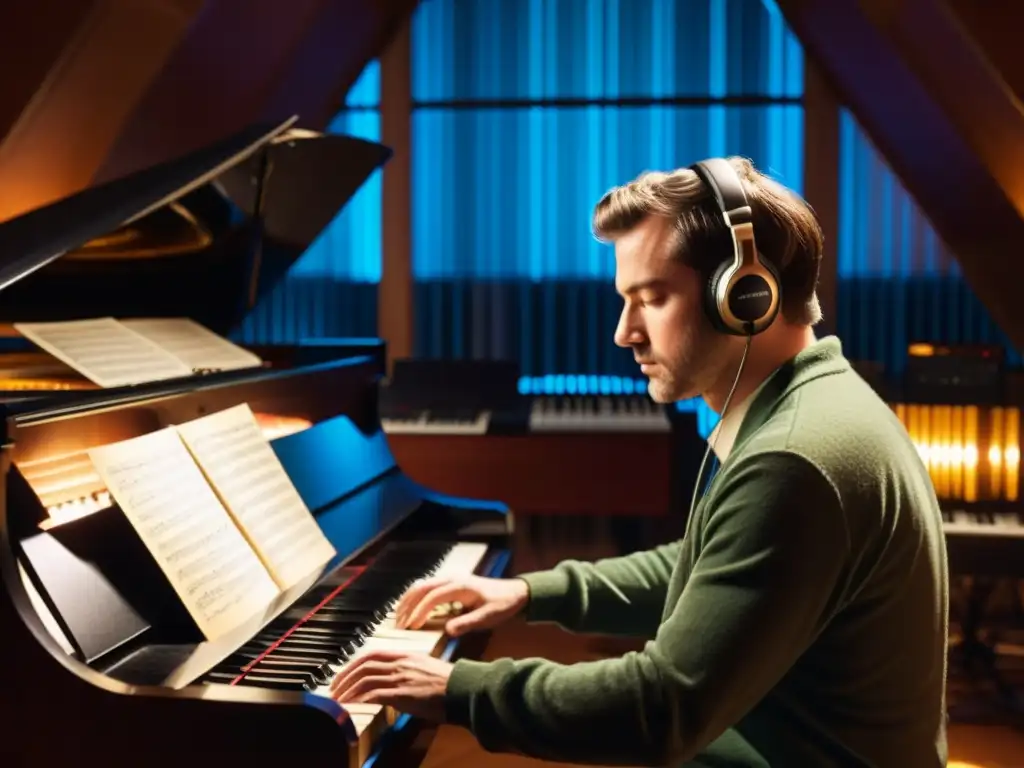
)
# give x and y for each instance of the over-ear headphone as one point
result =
(743, 294)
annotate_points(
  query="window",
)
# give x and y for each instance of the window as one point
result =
(526, 111)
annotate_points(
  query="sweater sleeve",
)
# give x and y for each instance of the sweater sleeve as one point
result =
(615, 596)
(767, 577)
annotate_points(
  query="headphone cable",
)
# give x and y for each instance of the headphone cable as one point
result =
(718, 431)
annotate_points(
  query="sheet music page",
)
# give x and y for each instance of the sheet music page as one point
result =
(250, 480)
(179, 518)
(193, 344)
(104, 351)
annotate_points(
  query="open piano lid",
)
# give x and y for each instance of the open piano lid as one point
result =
(205, 236)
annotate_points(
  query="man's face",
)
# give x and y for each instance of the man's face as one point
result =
(663, 321)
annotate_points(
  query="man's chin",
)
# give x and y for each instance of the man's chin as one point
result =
(660, 392)
(665, 392)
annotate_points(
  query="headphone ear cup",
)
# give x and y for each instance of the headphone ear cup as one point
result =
(711, 309)
(773, 271)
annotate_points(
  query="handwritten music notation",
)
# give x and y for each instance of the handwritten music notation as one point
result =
(254, 487)
(209, 563)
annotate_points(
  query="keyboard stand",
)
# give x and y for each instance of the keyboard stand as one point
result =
(977, 658)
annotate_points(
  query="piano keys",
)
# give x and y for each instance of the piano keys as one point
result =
(486, 397)
(635, 413)
(134, 664)
(468, 427)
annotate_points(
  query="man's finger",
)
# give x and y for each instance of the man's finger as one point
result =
(446, 593)
(414, 594)
(365, 664)
(393, 696)
(360, 688)
(469, 621)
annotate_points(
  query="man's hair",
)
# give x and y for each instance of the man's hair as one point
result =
(785, 228)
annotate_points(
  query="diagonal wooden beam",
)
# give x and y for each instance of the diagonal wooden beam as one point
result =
(80, 80)
(47, 26)
(936, 106)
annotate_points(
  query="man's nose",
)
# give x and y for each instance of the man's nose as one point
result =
(628, 333)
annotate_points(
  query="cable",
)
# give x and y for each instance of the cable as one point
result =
(718, 431)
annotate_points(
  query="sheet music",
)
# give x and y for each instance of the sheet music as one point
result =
(252, 483)
(207, 560)
(193, 344)
(104, 351)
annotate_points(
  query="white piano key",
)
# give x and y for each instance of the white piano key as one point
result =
(961, 526)
(424, 425)
(371, 720)
(597, 414)
(463, 558)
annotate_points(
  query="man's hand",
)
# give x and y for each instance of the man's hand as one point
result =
(409, 682)
(489, 602)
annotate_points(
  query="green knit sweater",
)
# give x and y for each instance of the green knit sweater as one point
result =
(801, 621)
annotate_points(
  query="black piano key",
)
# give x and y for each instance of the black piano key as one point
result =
(309, 677)
(251, 662)
(260, 681)
(324, 618)
(319, 632)
(258, 650)
(339, 649)
(335, 655)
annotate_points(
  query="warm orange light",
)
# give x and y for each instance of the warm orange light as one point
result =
(49, 385)
(76, 508)
(274, 426)
(969, 455)
(921, 350)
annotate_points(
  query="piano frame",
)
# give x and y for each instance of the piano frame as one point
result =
(360, 503)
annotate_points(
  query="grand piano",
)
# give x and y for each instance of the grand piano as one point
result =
(100, 659)
(206, 236)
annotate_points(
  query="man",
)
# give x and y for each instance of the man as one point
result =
(802, 619)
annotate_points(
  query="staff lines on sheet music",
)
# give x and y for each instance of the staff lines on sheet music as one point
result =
(253, 485)
(177, 514)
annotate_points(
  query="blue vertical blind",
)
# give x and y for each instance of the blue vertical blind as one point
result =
(535, 50)
(897, 281)
(527, 111)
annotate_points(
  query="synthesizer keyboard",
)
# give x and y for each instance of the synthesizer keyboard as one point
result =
(597, 413)
(432, 423)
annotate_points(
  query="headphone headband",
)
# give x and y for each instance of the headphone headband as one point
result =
(743, 293)
(727, 188)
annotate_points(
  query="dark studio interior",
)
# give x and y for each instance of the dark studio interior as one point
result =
(384, 205)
